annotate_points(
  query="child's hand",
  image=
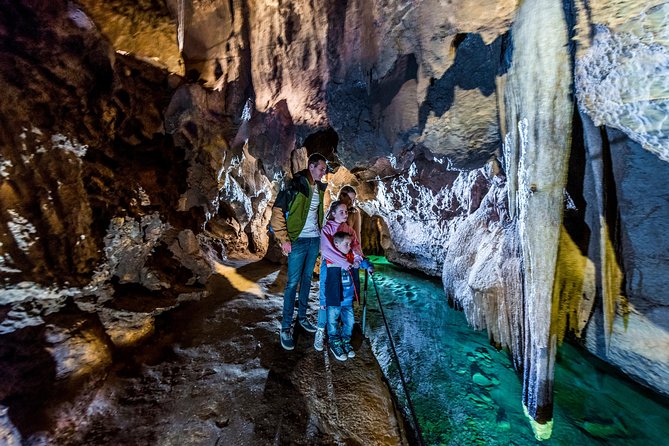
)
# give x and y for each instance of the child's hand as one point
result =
(366, 264)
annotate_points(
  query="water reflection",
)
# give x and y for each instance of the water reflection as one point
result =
(467, 393)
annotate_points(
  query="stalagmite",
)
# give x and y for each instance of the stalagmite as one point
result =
(538, 113)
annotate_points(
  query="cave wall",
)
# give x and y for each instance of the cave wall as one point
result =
(365, 69)
(635, 332)
(621, 90)
(106, 190)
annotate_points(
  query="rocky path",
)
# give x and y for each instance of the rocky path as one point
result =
(215, 374)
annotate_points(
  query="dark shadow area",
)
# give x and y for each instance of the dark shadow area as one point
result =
(28, 378)
(257, 270)
(370, 235)
(323, 142)
(335, 37)
(384, 90)
(136, 298)
(575, 203)
(611, 210)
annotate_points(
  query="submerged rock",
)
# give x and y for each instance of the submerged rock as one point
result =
(481, 380)
(613, 429)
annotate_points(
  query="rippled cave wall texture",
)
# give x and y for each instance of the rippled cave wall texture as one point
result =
(517, 149)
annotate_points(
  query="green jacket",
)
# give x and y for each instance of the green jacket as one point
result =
(291, 207)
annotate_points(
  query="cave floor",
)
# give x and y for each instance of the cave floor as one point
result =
(214, 373)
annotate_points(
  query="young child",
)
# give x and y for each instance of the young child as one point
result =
(342, 286)
(336, 222)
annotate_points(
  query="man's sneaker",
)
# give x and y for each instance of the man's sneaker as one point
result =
(287, 340)
(318, 339)
(348, 349)
(308, 326)
(337, 351)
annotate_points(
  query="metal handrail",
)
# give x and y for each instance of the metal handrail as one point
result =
(418, 431)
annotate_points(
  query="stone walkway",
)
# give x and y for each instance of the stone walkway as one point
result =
(215, 374)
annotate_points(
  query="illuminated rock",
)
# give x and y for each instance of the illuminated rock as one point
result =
(538, 111)
(145, 30)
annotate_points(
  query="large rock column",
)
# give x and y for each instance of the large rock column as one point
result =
(538, 119)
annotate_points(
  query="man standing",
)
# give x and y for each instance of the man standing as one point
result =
(297, 216)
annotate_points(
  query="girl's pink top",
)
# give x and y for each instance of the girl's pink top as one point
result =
(328, 250)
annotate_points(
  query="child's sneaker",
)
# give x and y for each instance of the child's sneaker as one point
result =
(337, 351)
(307, 325)
(287, 341)
(348, 349)
(318, 339)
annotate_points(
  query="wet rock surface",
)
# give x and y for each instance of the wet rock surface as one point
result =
(215, 373)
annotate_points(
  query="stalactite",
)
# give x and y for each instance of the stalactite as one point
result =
(538, 113)
(181, 17)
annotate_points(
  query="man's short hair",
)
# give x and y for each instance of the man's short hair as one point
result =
(315, 158)
(341, 236)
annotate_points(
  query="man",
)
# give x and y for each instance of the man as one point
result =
(297, 216)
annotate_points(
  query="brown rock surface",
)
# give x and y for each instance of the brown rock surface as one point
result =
(214, 372)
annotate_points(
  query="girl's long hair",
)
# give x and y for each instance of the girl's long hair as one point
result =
(333, 208)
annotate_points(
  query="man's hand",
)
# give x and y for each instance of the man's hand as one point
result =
(286, 247)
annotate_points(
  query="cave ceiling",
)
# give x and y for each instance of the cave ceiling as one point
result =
(384, 75)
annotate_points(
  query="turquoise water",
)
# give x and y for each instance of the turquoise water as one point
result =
(467, 393)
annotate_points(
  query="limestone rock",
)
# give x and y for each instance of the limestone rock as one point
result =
(617, 82)
(467, 130)
(482, 271)
(143, 29)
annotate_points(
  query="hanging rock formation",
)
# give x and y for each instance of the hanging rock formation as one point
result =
(538, 114)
